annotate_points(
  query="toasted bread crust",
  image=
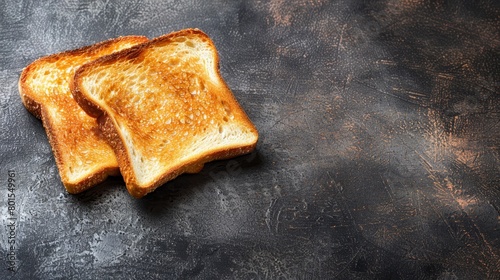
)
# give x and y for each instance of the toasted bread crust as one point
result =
(116, 142)
(99, 174)
(41, 104)
(28, 97)
(109, 125)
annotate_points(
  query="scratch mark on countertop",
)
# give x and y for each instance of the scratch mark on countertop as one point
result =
(347, 264)
(463, 204)
(341, 37)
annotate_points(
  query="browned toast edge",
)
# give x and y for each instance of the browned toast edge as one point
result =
(113, 137)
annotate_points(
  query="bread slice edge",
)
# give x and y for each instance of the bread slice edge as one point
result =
(41, 111)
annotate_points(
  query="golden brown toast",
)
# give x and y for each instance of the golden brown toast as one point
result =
(164, 108)
(83, 157)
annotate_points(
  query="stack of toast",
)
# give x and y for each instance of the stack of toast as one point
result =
(148, 109)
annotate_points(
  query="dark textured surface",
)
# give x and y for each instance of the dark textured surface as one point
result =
(378, 158)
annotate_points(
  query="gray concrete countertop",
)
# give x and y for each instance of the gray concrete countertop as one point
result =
(378, 155)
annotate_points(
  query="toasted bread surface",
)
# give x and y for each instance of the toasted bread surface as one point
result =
(83, 157)
(164, 108)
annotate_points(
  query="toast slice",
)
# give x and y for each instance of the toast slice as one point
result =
(164, 108)
(82, 156)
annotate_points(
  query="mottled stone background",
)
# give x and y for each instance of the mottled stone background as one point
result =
(378, 157)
